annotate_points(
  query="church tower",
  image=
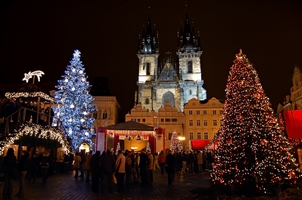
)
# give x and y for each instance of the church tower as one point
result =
(159, 85)
(189, 58)
(147, 53)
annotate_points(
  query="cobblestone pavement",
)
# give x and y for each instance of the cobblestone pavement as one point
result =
(64, 186)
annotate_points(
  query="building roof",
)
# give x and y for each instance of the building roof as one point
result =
(130, 125)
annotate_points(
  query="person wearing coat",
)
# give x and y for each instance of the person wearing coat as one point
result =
(120, 170)
(22, 171)
(108, 166)
(76, 164)
(8, 166)
(199, 161)
(170, 161)
(87, 166)
(150, 168)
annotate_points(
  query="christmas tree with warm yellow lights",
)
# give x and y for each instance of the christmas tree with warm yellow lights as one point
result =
(252, 149)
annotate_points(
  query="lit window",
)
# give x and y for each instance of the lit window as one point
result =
(205, 122)
(169, 136)
(105, 114)
(191, 136)
(198, 136)
(198, 123)
(214, 122)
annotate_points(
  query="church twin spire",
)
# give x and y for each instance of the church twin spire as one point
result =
(149, 43)
(187, 41)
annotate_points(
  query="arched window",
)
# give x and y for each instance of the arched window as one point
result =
(147, 101)
(190, 66)
(148, 68)
(105, 114)
(168, 97)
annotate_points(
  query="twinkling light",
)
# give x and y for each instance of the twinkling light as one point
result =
(16, 95)
(252, 147)
(76, 108)
(29, 75)
(36, 130)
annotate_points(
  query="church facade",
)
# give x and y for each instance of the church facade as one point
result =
(170, 82)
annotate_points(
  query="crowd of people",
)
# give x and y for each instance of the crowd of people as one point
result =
(129, 167)
(105, 170)
(25, 169)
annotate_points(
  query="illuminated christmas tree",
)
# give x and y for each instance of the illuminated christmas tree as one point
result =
(252, 150)
(75, 107)
(175, 143)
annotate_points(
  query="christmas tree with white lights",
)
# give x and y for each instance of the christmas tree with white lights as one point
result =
(252, 150)
(175, 143)
(75, 107)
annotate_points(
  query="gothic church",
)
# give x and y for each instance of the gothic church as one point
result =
(174, 83)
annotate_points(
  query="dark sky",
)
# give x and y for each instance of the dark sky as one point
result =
(41, 35)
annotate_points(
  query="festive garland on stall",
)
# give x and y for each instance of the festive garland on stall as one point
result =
(36, 130)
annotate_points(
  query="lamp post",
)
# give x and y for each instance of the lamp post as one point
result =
(182, 139)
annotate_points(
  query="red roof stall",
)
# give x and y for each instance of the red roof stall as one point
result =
(200, 144)
(293, 121)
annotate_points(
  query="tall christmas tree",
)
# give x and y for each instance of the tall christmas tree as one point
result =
(252, 150)
(175, 143)
(75, 106)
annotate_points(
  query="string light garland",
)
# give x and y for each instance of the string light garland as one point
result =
(39, 131)
(74, 113)
(16, 95)
(252, 149)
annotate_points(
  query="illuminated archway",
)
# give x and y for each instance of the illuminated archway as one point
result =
(36, 130)
(84, 146)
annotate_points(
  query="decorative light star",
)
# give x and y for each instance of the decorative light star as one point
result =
(29, 75)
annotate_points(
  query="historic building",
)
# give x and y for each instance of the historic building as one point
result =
(294, 100)
(167, 118)
(173, 82)
(290, 111)
(203, 118)
(170, 95)
(107, 111)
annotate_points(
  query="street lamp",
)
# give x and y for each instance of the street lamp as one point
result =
(181, 138)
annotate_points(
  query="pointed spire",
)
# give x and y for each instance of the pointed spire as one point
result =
(139, 44)
(149, 41)
(187, 39)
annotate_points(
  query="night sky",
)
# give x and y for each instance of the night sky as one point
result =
(42, 35)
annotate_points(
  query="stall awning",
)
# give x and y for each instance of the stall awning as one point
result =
(293, 121)
(200, 144)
